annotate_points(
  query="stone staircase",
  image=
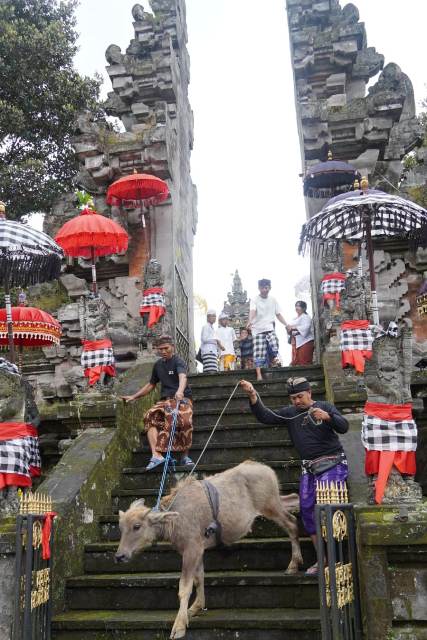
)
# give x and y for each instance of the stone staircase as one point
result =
(248, 594)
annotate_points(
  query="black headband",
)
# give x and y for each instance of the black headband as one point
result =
(264, 282)
(296, 385)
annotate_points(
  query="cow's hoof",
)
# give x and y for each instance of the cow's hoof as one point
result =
(291, 571)
(177, 633)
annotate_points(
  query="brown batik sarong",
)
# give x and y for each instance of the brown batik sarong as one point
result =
(160, 417)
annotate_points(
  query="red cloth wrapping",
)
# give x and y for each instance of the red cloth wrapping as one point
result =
(355, 324)
(46, 533)
(94, 373)
(93, 345)
(155, 311)
(381, 462)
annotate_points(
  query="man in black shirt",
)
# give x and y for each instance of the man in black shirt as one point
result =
(313, 427)
(171, 372)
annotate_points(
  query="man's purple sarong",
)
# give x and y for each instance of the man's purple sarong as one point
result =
(307, 492)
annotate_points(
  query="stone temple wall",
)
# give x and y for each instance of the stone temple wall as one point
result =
(372, 128)
(150, 97)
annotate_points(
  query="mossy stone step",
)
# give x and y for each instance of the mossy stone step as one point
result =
(262, 528)
(224, 589)
(214, 624)
(233, 432)
(209, 412)
(256, 554)
(122, 498)
(139, 478)
(274, 373)
(232, 453)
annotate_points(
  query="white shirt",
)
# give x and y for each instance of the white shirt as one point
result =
(305, 327)
(227, 336)
(266, 311)
(209, 342)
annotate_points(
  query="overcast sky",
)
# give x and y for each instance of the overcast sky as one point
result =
(246, 158)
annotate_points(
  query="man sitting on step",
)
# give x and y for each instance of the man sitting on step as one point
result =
(313, 427)
(171, 372)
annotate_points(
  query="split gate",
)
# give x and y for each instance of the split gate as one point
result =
(337, 557)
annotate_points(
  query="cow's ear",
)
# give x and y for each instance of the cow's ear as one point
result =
(121, 514)
(137, 504)
(162, 516)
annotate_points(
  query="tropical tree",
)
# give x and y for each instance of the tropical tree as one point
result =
(40, 95)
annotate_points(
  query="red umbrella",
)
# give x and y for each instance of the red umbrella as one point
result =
(32, 327)
(138, 187)
(90, 234)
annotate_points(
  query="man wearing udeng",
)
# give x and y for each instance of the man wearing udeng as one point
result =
(313, 427)
(171, 372)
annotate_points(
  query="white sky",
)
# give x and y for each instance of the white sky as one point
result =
(246, 157)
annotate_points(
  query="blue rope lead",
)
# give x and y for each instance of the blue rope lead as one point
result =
(167, 457)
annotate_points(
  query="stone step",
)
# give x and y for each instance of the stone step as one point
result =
(209, 416)
(262, 528)
(275, 373)
(224, 386)
(224, 589)
(232, 453)
(122, 498)
(257, 554)
(235, 433)
(271, 399)
(139, 478)
(214, 624)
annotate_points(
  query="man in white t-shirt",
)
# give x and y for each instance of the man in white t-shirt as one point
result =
(227, 337)
(263, 311)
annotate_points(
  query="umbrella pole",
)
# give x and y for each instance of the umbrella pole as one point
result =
(370, 252)
(94, 284)
(9, 322)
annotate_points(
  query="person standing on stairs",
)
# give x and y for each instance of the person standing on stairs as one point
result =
(227, 337)
(171, 371)
(313, 427)
(263, 311)
(211, 345)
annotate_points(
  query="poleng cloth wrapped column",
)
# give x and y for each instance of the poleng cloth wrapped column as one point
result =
(153, 303)
(97, 357)
(389, 435)
(356, 344)
(19, 454)
(331, 286)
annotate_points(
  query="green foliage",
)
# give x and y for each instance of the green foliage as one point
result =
(419, 195)
(40, 96)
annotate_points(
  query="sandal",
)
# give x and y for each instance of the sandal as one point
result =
(186, 461)
(312, 571)
(154, 462)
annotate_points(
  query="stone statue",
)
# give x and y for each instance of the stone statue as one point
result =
(138, 12)
(153, 278)
(237, 305)
(16, 405)
(387, 379)
(94, 317)
(353, 298)
(114, 54)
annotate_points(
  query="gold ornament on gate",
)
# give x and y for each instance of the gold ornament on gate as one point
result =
(339, 525)
(37, 534)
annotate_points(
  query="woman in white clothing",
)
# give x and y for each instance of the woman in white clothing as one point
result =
(302, 337)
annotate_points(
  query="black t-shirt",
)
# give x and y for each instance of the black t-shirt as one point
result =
(310, 440)
(166, 372)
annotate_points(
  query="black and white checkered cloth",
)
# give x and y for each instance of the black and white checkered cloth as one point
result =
(388, 435)
(356, 340)
(378, 331)
(153, 300)
(266, 346)
(27, 256)
(18, 455)
(333, 285)
(97, 357)
(343, 218)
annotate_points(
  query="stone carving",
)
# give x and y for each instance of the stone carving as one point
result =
(17, 404)
(387, 380)
(94, 319)
(153, 277)
(237, 304)
(353, 298)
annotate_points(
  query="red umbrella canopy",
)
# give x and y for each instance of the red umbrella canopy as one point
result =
(139, 187)
(91, 234)
(32, 327)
